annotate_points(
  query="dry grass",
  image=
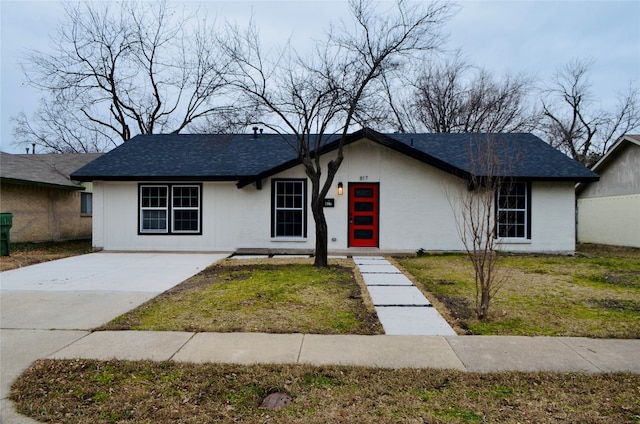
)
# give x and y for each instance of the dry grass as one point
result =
(271, 297)
(594, 294)
(24, 254)
(86, 391)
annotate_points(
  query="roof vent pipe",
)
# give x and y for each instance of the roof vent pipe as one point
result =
(33, 148)
(255, 132)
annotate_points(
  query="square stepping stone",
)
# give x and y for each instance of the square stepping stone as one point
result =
(386, 280)
(414, 321)
(397, 295)
(386, 268)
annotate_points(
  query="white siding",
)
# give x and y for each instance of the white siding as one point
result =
(414, 211)
(611, 220)
(552, 219)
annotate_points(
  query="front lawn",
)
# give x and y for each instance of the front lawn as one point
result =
(87, 391)
(234, 296)
(593, 294)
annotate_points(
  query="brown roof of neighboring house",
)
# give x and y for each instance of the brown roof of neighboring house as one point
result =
(44, 169)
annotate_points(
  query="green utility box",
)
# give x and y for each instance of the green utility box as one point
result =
(6, 222)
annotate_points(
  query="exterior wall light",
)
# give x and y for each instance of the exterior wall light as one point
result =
(340, 191)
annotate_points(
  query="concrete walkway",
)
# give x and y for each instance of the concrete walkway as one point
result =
(401, 307)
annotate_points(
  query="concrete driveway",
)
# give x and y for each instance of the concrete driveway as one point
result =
(73, 296)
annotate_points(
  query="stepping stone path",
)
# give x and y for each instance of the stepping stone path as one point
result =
(401, 307)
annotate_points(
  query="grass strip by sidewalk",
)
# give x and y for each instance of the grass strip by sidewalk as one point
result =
(261, 297)
(593, 294)
(87, 391)
(25, 254)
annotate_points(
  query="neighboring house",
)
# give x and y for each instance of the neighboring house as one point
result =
(249, 192)
(609, 210)
(46, 204)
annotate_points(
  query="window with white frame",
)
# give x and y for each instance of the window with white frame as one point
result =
(170, 209)
(289, 216)
(513, 210)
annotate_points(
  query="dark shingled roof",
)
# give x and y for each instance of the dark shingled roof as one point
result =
(246, 158)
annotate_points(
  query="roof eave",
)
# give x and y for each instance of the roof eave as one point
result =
(136, 178)
(41, 184)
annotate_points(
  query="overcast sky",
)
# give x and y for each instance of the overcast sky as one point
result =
(532, 36)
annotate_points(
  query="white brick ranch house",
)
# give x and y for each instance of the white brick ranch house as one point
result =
(247, 192)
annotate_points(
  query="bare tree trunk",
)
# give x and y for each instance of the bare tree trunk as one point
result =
(321, 252)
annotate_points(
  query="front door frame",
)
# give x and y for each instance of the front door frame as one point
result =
(353, 215)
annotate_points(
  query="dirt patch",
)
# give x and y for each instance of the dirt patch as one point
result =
(620, 305)
(459, 309)
(624, 278)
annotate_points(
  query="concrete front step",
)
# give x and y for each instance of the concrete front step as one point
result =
(397, 296)
(386, 280)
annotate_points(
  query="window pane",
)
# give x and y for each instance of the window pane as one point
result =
(363, 234)
(185, 197)
(154, 220)
(363, 220)
(154, 197)
(289, 194)
(86, 203)
(185, 220)
(289, 223)
(363, 206)
(363, 192)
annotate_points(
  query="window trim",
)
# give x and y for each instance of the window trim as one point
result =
(170, 210)
(274, 209)
(527, 212)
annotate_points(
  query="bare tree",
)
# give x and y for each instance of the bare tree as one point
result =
(573, 122)
(453, 96)
(479, 219)
(322, 96)
(121, 69)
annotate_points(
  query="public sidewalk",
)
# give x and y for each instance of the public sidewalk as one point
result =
(466, 353)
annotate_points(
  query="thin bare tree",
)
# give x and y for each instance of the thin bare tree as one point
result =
(575, 124)
(479, 219)
(119, 69)
(452, 96)
(321, 96)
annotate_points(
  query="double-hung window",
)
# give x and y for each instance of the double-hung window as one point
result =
(514, 210)
(289, 214)
(170, 209)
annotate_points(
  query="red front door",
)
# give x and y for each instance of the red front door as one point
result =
(363, 215)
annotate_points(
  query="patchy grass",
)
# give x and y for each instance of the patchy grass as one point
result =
(88, 391)
(265, 297)
(24, 254)
(593, 294)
